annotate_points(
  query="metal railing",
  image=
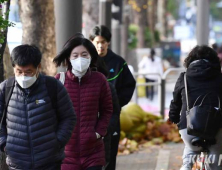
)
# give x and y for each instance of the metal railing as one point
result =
(161, 83)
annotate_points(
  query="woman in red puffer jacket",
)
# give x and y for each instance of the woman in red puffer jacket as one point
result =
(92, 101)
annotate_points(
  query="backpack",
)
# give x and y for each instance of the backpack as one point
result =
(51, 86)
(203, 121)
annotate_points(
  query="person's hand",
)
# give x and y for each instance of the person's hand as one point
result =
(98, 135)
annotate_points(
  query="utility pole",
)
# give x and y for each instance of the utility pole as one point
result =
(68, 21)
(68, 15)
(117, 16)
(202, 22)
(124, 30)
(105, 14)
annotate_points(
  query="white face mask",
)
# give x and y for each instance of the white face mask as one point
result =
(80, 66)
(26, 81)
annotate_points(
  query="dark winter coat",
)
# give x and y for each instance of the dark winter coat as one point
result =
(90, 96)
(35, 134)
(202, 77)
(120, 76)
(114, 121)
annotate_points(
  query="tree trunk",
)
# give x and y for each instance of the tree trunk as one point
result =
(162, 19)
(8, 69)
(152, 18)
(140, 15)
(3, 165)
(2, 48)
(90, 15)
(38, 22)
(165, 18)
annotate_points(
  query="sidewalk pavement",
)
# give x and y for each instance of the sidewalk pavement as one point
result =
(158, 157)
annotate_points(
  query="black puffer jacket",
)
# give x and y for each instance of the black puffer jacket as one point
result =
(202, 77)
(36, 134)
(120, 76)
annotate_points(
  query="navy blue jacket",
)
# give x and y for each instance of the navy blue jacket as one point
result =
(34, 134)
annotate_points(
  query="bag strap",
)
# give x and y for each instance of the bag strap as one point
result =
(10, 84)
(186, 93)
(62, 77)
(207, 95)
(198, 99)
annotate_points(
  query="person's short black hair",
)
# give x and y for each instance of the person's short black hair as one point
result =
(101, 67)
(24, 55)
(100, 30)
(72, 43)
(201, 52)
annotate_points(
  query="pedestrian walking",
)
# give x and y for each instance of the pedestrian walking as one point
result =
(92, 100)
(37, 116)
(151, 65)
(119, 75)
(101, 67)
(203, 76)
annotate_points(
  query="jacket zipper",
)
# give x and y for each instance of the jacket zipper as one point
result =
(30, 140)
(79, 119)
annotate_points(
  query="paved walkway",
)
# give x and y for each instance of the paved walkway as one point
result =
(165, 157)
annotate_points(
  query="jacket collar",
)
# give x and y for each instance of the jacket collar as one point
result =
(72, 77)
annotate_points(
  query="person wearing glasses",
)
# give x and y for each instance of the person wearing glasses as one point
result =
(34, 126)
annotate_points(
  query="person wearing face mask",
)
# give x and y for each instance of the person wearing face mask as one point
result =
(119, 75)
(33, 130)
(92, 100)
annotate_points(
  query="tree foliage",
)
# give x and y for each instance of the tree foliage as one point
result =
(4, 23)
(215, 11)
(172, 7)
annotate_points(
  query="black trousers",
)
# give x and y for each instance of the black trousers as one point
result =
(111, 165)
(149, 89)
(95, 168)
(107, 145)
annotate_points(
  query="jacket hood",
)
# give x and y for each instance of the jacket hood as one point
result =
(203, 69)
